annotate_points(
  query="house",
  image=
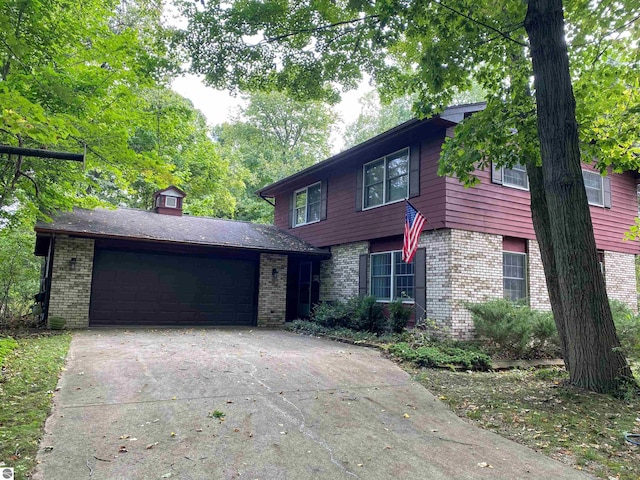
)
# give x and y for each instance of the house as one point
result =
(128, 267)
(478, 243)
(338, 233)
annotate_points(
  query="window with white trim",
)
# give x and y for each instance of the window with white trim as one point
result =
(594, 187)
(514, 275)
(515, 176)
(307, 205)
(391, 278)
(171, 202)
(386, 180)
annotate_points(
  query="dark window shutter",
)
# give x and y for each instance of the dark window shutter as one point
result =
(496, 173)
(420, 284)
(414, 171)
(292, 203)
(362, 275)
(323, 200)
(359, 189)
(606, 191)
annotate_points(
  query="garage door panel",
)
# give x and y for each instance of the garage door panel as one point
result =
(140, 288)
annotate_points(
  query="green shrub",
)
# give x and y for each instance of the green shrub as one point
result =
(370, 316)
(56, 323)
(627, 328)
(544, 334)
(7, 344)
(399, 316)
(441, 355)
(503, 324)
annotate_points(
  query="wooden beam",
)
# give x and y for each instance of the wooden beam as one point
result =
(41, 153)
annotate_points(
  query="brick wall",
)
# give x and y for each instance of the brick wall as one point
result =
(476, 276)
(538, 294)
(620, 276)
(71, 289)
(272, 296)
(437, 245)
(339, 275)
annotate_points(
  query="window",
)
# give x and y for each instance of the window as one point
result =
(514, 275)
(515, 177)
(594, 187)
(386, 180)
(171, 202)
(307, 205)
(391, 278)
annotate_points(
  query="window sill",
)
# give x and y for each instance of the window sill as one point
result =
(383, 204)
(517, 187)
(404, 302)
(308, 223)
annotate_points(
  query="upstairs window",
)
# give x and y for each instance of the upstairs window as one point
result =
(391, 278)
(515, 176)
(386, 180)
(593, 184)
(307, 205)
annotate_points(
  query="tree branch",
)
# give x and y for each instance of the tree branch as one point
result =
(35, 185)
(504, 35)
(321, 28)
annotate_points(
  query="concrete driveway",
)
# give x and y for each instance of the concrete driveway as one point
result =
(139, 405)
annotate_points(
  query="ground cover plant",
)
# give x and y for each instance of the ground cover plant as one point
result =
(536, 408)
(28, 378)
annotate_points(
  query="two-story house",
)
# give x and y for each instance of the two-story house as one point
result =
(478, 243)
(338, 233)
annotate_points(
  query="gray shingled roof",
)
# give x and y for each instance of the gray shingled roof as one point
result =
(128, 223)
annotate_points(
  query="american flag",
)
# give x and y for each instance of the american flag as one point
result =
(414, 221)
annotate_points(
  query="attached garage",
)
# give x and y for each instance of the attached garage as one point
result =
(129, 267)
(163, 289)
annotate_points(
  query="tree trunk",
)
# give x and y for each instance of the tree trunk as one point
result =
(592, 353)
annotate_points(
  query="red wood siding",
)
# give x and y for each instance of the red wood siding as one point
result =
(500, 210)
(488, 207)
(344, 224)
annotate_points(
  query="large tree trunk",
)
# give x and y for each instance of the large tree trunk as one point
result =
(591, 351)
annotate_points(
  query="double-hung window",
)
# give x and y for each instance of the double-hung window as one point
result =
(514, 275)
(593, 184)
(386, 180)
(515, 176)
(391, 278)
(307, 205)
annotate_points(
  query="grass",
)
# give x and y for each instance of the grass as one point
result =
(29, 376)
(535, 408)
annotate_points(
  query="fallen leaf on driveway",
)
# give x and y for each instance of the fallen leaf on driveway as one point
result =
(122, 449)
(151, 445)
(166, 475)
(406, 415)
(485, 465)
(122, 437)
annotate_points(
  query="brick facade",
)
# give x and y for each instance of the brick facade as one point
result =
(437, 245)
(339, 274)
(71, 289)
(538, 294)
(476, 276)
(620, 277)
(272, 295)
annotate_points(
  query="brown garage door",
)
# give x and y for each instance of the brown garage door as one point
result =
(142, 288)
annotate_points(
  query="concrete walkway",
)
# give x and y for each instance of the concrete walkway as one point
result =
(140, 404)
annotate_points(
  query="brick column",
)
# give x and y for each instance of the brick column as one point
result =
(71, 289)
(538, 293)
(339, 274)
(272, 296)
(620, 276)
